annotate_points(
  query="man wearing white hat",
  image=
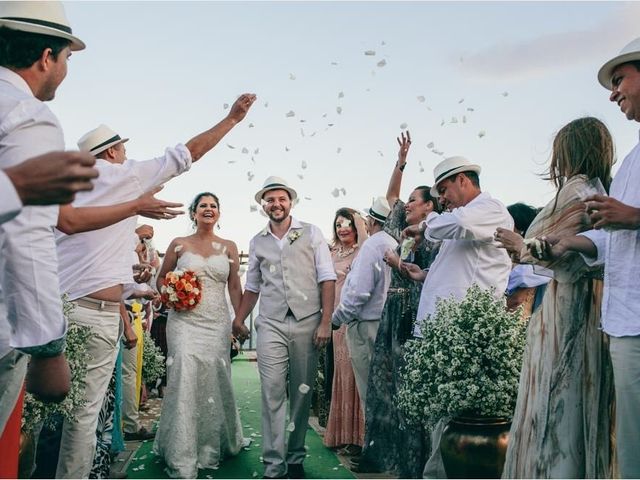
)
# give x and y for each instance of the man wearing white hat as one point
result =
(291, 271)
(94, 266)
(469, 253)
(364, 293)
(618, 248)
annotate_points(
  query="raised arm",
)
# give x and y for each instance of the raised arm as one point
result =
(169, 262)
(205, 141)
(395, 182)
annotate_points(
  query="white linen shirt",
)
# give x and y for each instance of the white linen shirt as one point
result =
(365, 289)
(468, 254)
(619, 251)
(10, 203)
(28, 262)
(324, 265)
(92, 261)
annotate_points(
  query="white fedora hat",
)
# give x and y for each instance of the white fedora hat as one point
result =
(450, 166)
(379, 209)
(630, 53)
(99, 139)
(276, 183)
(45, 18)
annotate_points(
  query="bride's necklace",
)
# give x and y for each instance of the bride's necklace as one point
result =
(342, 253)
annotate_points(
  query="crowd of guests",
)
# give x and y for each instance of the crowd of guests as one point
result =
(69, 225)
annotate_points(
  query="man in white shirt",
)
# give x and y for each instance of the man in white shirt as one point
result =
(290, 269)
(48, 179)
(469, 253)
(364, 293)
(615, 242)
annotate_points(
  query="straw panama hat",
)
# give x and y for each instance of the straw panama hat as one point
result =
(99, 139)
(450, 166)
(630, 53)
(276, 183)
(379, 209)
(45, 18)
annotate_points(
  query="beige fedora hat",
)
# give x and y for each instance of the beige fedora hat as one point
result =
(99, 139)
(450, 166)
(276, 183)
(379, 209)
(630, 53)
(45, 18)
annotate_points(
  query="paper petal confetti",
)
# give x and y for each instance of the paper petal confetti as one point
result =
(245, 150)
(292, 76)
(251, 125)
(253, 208)
(421, 98)
(442, 122)
(339, 150)
(403, 126)
(464, 119)
(380, 153)
(334, 63)
(335, 192)
(421, 167)
(304, 388)
(300, 176)
(286, 149)
(470, 109)
(290, 114)
(505, 94)
(339, 110)
(256, 151)
(344, 192)
(307, 198)
(304, 164)
(225, 106)
(169, 361)
(481, 133)
(454, 120)
(291, 427)
(370, 53)
(231, 146)
(340, 94)
(430, 145)
(461, 100)
(382, 63)
(266, 104)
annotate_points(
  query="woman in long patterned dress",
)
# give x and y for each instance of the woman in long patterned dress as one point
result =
(391, 444)
(345, 426)
(561, 427)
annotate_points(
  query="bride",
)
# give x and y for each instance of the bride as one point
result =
(199, 422)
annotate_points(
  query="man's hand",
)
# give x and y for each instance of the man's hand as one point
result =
(53, 178)
(413, 271)
(150, 207)
(608, 212)
(142, 272)
(392, 259)
(49, 379)
(415, 231)
(322, 335)
(129, 339)
(241, 106)
(240, 331)
(510, 241)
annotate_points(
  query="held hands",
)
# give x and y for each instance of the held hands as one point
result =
(142, 272)
(608, 212)
(53, 178)
(151, 207)
(546, 248)
(510, 241)
(241, 106)
(239, 330)
(405, 144)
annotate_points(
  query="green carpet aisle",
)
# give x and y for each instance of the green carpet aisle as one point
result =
(320, 463)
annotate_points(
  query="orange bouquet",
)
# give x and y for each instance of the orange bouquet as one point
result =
(181, 290)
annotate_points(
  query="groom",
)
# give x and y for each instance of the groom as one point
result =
(290, 268)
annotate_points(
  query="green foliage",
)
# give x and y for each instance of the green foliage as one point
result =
(152, 360)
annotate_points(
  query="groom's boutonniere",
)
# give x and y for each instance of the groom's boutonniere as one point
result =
(294, 235)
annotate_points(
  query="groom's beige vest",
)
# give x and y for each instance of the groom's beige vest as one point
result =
(289, 276)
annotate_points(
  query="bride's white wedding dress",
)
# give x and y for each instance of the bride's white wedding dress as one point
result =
(199, 423)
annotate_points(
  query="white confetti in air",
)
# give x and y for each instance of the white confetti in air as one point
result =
(230, 146)
(442, 122)
(454, 120)
(469, 109)
(292, 76)
(225, 106)
(169, 361)
(210, 400)
(334, 63)
(382, 63)
(253, 208)
(335, 192)
(339, 110)
(335, 468)
(178, 248)
(232, 161)
(339, 150)
(302, 132)
(461, 100)
(370, 53)
(421, 98)
(256, 151)
(304, 164)
(286, 149)
(344, 192)
(403, 126)
(266, 104)
(300, 176)
(291, 427)
(340, 94)
(505, 94)
(307, 198)
(290, 114)
(245, 150)
(380, 153)
(430, 145)
(272, 268)
(481, 133)
(371, 443)
(303, 388)
(421, 167)
(377, 266)
(251, 125)
(216, 245)
(250, 175)
(464, 119)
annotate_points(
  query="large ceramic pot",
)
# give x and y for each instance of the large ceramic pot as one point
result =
(475, 447)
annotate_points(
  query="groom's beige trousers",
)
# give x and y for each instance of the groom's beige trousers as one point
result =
(285, 346)
(78, 443)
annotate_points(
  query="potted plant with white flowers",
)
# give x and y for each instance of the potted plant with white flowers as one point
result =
(466, 369)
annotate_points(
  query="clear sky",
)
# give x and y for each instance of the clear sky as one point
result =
(492, 81)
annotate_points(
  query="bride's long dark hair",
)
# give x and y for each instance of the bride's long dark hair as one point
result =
(196, 201)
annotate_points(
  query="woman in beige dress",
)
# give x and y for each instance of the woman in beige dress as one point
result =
(345, 426)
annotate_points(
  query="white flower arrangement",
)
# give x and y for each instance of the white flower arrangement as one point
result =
(152, 360)
(294, 235)
(467, 363)
(35, 411)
